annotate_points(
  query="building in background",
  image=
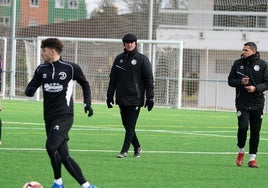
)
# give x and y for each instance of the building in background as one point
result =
(41, 12)
(33, 13)
(213, 33)
(5, 13)
(60, 11)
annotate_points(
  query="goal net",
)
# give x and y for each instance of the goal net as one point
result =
(96, 56)
(212, 31)
(31, 58)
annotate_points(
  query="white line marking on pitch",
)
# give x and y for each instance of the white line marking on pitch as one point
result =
(90, 128)
(114, 151)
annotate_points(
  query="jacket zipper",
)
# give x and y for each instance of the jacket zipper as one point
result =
(53, 71)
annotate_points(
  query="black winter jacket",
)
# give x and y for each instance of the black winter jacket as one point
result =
(257, 71)
(131, 78)
(57, 81)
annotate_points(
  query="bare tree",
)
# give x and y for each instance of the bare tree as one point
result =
(177, 4)
(142, 8)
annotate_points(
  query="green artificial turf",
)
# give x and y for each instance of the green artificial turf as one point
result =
(181, 148)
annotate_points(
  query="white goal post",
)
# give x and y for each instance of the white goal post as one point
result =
(3, 59)
(95, 56)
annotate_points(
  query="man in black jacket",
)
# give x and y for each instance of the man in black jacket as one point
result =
(131, 79)
(249, 75)
(57, 77)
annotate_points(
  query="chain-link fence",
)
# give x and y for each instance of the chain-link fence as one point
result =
(213, 33)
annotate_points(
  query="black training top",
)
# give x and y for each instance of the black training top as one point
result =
(131, 78)
(57, 79)
(257, 71)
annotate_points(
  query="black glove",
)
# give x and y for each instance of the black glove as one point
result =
(149, 104)
(109, 102)
(88, 109)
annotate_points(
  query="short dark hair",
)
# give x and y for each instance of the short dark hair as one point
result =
(251, 45)
(53, 43)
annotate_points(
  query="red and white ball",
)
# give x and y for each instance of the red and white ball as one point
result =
(32, 184)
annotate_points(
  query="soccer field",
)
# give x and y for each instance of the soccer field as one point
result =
(181, 148)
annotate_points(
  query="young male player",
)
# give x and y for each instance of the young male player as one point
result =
(57, 77)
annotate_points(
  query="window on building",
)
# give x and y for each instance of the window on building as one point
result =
(249, 20)
(4, 21)
(73, 4)
(59, 4)
(5, 2)
(223, 66)
(34, 3)
(191, 61)
(33, 22)
(58, 20)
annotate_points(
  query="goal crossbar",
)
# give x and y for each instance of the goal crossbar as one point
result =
(150, 52)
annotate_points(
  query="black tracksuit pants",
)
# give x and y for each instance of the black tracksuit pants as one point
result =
(129, 116)
(252, 118)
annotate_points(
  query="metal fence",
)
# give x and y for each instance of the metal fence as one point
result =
(96, 56)
(213, 33)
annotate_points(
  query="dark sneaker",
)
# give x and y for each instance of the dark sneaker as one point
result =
(138, 152)
(122, 155)
(253, 164)
(239, 159)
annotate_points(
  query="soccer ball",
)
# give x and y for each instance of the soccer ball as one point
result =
(32, 184)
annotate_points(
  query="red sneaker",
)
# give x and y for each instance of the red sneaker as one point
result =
(253, 164)
(239, 159)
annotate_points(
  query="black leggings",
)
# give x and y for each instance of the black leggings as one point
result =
(57, 148)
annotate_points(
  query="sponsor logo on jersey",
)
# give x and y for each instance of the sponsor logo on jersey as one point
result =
(53, 87)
